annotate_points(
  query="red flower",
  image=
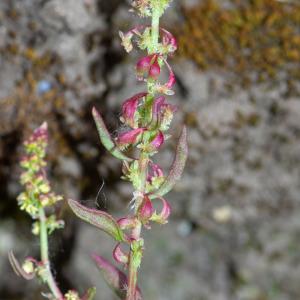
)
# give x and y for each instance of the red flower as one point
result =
(169, 40)
(154, 70)
(148, 66)
(162, 113)
(158, 140)
(129, 109)
(130, 137)
(164, 214)
(146, 209)
(119, 255)
(155, 171)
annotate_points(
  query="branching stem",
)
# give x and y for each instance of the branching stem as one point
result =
(155, 27)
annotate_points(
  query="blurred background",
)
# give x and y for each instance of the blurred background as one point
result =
(234, 233)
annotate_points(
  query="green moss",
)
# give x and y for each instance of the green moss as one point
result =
(254, 40)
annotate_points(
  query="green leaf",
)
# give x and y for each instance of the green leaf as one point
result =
(106, 139)
(177, 166)
(98, 218)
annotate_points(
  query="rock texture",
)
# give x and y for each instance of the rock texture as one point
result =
(235, 222)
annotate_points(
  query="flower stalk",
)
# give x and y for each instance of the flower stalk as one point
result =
(36, 197)
(47, 276)
(143, 167)
(155, 27)
(147, 117)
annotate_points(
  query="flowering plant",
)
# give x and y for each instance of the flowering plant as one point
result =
(36, 199)
(147, 117)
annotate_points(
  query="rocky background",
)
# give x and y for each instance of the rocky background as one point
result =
(235, 228)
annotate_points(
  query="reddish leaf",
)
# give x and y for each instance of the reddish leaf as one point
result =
(116, 279)
(89, 294)
(177, 166)
(98, 218)
(105, 137)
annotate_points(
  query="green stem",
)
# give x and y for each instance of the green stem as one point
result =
(136, 232)
(132, 278)
(135, 256)
(155, 27)
(48, 277)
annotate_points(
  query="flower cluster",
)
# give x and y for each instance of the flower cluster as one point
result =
(36, 197)
(37, 193)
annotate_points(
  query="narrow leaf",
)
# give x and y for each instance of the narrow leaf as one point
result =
(177, 166)
(106, 139)
(17, 268)
(115, 278)
(98, 218)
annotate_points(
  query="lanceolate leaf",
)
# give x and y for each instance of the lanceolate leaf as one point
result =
(106, 139)
(17, 268)
(98, 218)
(177, 166)
(116, 279)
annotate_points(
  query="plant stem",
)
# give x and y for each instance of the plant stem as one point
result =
(135, 256)
(48, 277)
(155, 26)
(132, 278)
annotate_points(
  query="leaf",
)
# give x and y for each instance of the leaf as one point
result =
(17, 268)
(177, 166)
(106, 139)
(115, 278)
(98, 218)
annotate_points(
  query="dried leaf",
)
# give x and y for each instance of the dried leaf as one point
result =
(98, 218)
(106, 139)
(177, 166)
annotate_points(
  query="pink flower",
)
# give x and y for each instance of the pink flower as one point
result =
(148, 66)
(119, 255)
(158, 140)
(155, 171)
(143, 65)
(130, 137)
(40, 134)
(154, 70)
(146, 209)
(129, 109)
(169, 40)
(164, 214)
(162, 113)
(166, 211)
(167, 87)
